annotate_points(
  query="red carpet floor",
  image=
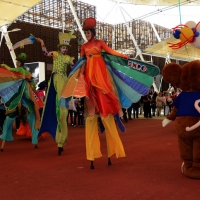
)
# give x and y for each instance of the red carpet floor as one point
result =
(150, 171)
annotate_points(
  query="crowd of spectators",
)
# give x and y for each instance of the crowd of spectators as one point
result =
(153, 104)
(76, 112)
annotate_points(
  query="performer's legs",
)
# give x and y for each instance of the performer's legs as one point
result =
(62, 135)
(114, 144)
(28, 130)
(31, 121)
(70, 114)
(92, 138)
(62, 132)
(7, 129)
(79, 119)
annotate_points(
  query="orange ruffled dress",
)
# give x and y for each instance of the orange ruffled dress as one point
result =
(93, 81)
(99, 83)
(101, 98)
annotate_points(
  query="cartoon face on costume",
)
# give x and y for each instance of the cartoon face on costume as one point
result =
(63, 49)
(88, 35)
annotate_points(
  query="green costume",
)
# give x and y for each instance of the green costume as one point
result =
(60, 64)
(18, 96)
(54, 119)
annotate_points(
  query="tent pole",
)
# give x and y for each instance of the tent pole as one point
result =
(167, 59)
(138, 50)
(63, 22)
(4, 33)
(77, 20)
(155, 31)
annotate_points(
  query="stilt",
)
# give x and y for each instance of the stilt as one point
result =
(60, 150)
(109, 161)
(2, 145)
(92, 165)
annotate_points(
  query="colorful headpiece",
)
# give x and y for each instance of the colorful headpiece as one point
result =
(64, 38)
(89, 23)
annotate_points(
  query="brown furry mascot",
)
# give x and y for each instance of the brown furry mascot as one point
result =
(185, 113)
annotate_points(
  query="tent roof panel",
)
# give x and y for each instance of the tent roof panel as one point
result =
(12, 9)
(162, 49)
(158, 2)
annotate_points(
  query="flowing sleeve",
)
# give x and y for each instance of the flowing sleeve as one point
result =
(111, 51)
(53, 53)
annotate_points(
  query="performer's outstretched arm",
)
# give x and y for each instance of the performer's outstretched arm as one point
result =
(111, 51)
(44, 49)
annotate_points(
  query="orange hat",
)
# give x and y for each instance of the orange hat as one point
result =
(89, 23)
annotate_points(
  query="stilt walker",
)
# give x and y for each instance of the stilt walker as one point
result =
(54, 119)
(18, 99)
(103, 79)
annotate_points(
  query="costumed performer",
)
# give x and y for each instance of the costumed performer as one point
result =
(18, 99)
(101, 96)
(185, 113)
(24, 128)
(54, 119)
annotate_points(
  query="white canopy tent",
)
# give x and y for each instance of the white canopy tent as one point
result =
(109, 11)
(163, 13)
(126, 10)
(10, 10)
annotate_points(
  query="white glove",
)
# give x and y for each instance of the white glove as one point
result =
(165, 122)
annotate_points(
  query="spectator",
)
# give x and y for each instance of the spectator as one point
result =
(130, 110)
(153, 104)
(141, 110)
(147, 106)
(136, 109)
(80, 113)
(75, 111)
(169, 103)
(159, 104)
(125, 119)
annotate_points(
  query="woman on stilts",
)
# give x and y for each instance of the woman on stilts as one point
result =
(101, 97)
